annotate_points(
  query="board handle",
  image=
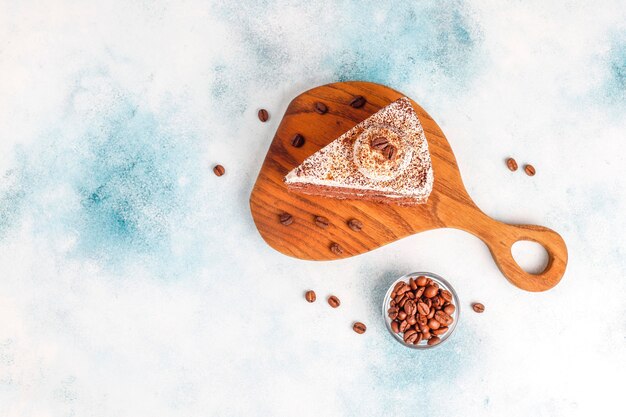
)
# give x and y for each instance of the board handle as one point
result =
(500, 245)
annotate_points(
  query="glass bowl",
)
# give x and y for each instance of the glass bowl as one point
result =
(442, 284)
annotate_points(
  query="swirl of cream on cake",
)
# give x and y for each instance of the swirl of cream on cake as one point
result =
(372, 162)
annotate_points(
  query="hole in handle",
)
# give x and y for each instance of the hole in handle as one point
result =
(531, 256)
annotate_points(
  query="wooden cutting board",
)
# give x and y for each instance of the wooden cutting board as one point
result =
(449, 205)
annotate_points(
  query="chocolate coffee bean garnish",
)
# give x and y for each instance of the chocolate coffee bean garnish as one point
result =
(336, 249)
(320, 107)
(321, 222)
(529, 170)
(511, 164)
(310, 296)
(334, 301)
(358, 102)
(297, 140)
(355, 225)
(478, 307)
(286, 219)
(263, 115)
(379, 143)
(218, 170)
(359, 327)
(390, 152)
(420, 311)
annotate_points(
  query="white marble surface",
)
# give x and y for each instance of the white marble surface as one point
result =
(133, 281)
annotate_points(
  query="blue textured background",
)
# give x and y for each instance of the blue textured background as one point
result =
(133, 281)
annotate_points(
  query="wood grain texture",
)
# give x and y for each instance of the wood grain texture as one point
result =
(449, 205)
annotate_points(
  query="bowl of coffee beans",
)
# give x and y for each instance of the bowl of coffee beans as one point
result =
(421, 310)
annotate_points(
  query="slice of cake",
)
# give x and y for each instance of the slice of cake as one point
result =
(384, 158)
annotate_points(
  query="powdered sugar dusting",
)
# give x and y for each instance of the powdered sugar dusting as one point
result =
(351, 165)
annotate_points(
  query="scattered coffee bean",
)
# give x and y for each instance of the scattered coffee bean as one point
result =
(421, 310)
(529, 170)
(380, 143)
(218, 170)
(355, 225)
(358, 102)
(478, 307)
(434, 341)
(263, 115)
(511, 164)
(359, 327)
(334, 301)
(286, 219)
(390, 152)
(310, 296)
(321, 222)
(297, 140)
(336, 249)
(320, 107)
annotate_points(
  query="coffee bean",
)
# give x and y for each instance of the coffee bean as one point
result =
(404, 288)
(379, 142)
(446, 295)
(411, 320)
(393, 312)
(443, 318)
(359, 327)
(434, 324)
(430, 291)
(286, 219)
(390, 152)
(410, 336)
(419, 338)
(529, 170)
(423, 309)
(402, 301)
(395, 327)
(419, 292)
(404, 325)
(436, 303)
(358, 102)
(511, 164)
(321, 222)
(434, 341)
(263, 115)
(428, 301)
(218, 170)
(410, 294)
(336, 249)
(310, 296)
(426, 335)
(320, 107)
(440, 331)
(412, 284)
(409, 307)
(478, 307)
(431, 314)
(396, 287)
(422, 321)
(297, 140)
(449, 309)
(355, 225)
(423, 327)
(402, 315)
(422, 281)
(334, 301)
